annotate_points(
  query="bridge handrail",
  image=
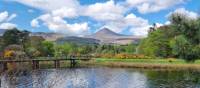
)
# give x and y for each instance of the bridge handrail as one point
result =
(49, 59)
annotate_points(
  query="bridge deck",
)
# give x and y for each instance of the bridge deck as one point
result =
(48, 59)
(56, 60)
(29, 60)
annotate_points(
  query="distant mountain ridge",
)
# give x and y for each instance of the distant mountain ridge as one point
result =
(106, 32)
(103, 36)
(106, 36)
(2, 31)
(78, 40)
(48, 36)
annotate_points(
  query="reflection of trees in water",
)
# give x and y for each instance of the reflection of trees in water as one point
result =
(24, 79)
(45, 79)
(14, 80)
(74, 78)
(173, 79)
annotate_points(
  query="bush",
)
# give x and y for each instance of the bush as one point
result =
(123, 56)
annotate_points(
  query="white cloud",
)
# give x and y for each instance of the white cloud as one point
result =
(185, 12)
(148, 6)
(11, 17)
(30, 10)
(137, 25)
(3, 16)
(49, 5)
(56, 11)
(54, 19)
(140, 31)
(167, 22)
(34, 23)
(58, 24)
(132, 20)
(109, 13)
(116, 26)
(4, 20)
(136, 2)
(65, 12)
(7, 26)
(159, 24)
(72, 8)
(104, 11)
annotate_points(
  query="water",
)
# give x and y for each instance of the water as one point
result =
(102, 78)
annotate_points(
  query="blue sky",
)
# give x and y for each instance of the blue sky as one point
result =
(82, 17)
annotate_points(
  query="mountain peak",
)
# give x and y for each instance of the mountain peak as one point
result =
(106, 31)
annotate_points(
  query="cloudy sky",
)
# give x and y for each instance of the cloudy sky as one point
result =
(82, 17)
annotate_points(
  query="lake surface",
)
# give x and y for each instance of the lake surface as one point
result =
(102, 78)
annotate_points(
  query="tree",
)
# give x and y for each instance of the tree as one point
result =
(14, 36)
(156, 44)
(14, 52)
(182, 48)
(180, 39)
(1, 44)
(130, 48)
(33, 46)
(47, 48)
(63, 49)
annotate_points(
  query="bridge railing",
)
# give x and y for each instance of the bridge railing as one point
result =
(82, 57)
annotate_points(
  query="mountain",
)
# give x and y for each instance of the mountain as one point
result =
(2, 31)
(106, 33)
(48, 36)
(106, 36)
(103, 36)
(78, 40)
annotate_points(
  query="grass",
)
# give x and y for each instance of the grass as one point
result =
(148, 63)
(132, 63)
(156, 61)
(160, 61)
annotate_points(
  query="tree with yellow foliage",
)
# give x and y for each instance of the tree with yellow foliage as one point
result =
(8, 54)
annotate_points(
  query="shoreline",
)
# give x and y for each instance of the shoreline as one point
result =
(163, 64)
(142, 65)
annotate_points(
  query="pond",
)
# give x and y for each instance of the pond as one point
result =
(102, 78)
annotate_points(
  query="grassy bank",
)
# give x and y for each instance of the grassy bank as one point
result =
(131, 63)
(145, 63)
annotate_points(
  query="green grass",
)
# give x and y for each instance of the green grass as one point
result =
(151, 61)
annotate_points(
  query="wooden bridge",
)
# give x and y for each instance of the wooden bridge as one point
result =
(35, 62)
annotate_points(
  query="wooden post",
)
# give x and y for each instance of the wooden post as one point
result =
(56, 63)
(5, 66)
(72, 61)
(35, 64)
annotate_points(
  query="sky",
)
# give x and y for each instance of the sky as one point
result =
(84, 17)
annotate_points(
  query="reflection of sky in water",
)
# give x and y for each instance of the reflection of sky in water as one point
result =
(77, 78)
(92, 78)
